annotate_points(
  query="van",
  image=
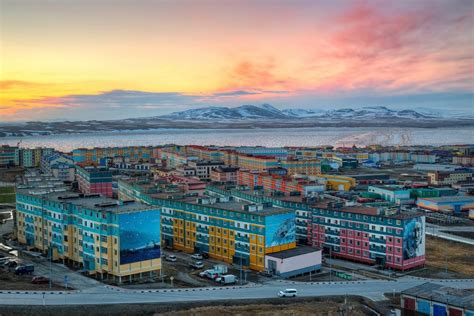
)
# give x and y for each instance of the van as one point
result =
(227, 279)
(288, 293)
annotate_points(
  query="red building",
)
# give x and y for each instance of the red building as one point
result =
(93, 180)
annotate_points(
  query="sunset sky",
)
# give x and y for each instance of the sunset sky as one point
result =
(102, 59)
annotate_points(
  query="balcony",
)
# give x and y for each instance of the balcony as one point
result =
(88, 239)
(377, 240)
(241, 238)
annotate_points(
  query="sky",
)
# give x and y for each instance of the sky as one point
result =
(108, 59)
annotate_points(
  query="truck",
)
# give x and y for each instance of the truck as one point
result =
(26, 269)
(227, 279)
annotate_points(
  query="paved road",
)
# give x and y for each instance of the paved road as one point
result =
(372, 289)
(440, 231)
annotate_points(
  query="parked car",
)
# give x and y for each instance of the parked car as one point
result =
(171, 258)
(197, 265)
(26, 269)
(39, 280)
(227, 279)
(210, 274)
(287, 293)
(205, 255)
(197, 256)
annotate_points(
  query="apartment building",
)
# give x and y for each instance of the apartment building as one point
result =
(94, 180)
(229, 230)
(60, 166)
(276, 184)
(31, 157)
(9, 156)
(307, 166)
(449, 177)
(107, 238)
(224, 174)
(257, 162)
(204, 167)
(464, 160)
(93, 155)
(364, 234)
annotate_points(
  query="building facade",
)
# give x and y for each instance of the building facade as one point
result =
(100, 235)
(449, 177)
(60, 166)
(366, 235)
(93, 155)
(9, 156)
(92, 180)
(228, 230)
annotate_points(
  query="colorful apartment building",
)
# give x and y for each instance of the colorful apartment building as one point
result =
(284, 185)
(393, 241)
(224, 175)
(204, 153)
(93, 155)
(204, 167)
(256, 162)
(59, 166)
(172, 159)
(107, 238)
(363, 234)
(9, 156)
(400, 156)
(31, 157)
(449, 178)
(310, 167)
(278, 152)
(93, 180)
(467, 161)
(228, 230)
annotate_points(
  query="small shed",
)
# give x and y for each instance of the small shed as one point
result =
(294, 261)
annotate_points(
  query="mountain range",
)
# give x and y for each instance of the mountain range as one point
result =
(268, 112)
(245, 117)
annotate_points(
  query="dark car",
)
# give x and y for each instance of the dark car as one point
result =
(39, 280)
(26, 269)
(205, 255)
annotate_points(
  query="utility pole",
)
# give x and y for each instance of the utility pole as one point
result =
(50, 264)
(330, 263)
(240, 255)
(446, 260)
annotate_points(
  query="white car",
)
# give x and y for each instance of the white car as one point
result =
(197, 256)
(288, 293)
(171, 258)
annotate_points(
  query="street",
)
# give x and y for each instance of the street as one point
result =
(372, 289)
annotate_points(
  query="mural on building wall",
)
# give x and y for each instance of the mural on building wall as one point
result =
(414, 238)
(280, 230)
(139, 236)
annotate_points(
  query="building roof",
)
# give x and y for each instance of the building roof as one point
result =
(298, 251)
(455, 198)
(91, 201)
(443, 294)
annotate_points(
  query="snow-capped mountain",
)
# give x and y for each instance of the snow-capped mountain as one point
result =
(266, 111)
(242, 112)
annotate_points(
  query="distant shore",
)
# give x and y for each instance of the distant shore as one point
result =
(80, 127)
